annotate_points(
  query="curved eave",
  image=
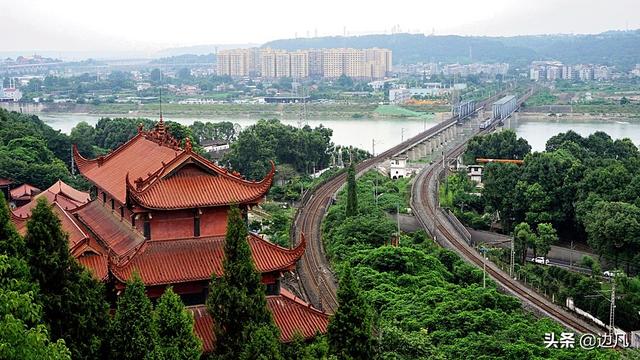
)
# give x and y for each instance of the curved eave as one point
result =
(262, 185)
(293, 254)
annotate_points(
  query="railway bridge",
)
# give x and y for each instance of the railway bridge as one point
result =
(319, 284)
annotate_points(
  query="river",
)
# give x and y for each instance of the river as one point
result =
(347, 132)
(387, 132)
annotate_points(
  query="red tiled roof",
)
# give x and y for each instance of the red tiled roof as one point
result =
(164, 175)
(96, 264)
(60, 193)
(203, 326)
(191, 181)
(290, 314)
(138, 157)
(5, 182)
(24, 191)
(117, 235)
(160, 262)
(68, 223)
(61, 188)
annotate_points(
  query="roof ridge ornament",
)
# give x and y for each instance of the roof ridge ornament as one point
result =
(187, 145)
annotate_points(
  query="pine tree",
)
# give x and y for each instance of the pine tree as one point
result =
(176, 339)
(352, 195)
(237, 300)
(10, 241)
(132, 332)
(73, 301)
(350, 331)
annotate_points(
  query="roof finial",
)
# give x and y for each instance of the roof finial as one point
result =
(187, 145)
(140, 127)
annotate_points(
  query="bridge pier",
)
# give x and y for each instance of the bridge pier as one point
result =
(412, 154)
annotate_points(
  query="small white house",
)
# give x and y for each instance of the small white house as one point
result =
(475, 173)
(398, 167)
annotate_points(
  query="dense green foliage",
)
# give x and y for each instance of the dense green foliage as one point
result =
(459, 195)
(352, 192)
(174, 324)
(430, 304)
(132, 333)
(587, 188)
(350, 331)
(23, 335)
(302, 148)
(237, 301)
(497, 145)
(73, 301)
(31, 151)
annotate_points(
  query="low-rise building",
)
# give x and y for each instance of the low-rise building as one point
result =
(398, 167)
(399, 96)
(475, 173)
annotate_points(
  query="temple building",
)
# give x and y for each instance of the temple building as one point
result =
(160, 210)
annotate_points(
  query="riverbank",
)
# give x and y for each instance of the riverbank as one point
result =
(238, 111)
(579, 117)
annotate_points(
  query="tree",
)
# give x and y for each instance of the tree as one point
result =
(546, 237)
(613, 229)
(352, 192)
(83, 135)
(10, 241)
(350, 331)
(498, 145)
(22, 335)
(132, 333)
(176, 339)
(73, 301)
(237, 300)
(522, 236)
(499, 192)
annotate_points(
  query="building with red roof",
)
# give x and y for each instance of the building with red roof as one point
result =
(23, 194)
(160, 211)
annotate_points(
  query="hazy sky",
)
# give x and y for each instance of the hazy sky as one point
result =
(145, 25)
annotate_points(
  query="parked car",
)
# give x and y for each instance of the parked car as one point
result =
(612, 273)
(540, 260)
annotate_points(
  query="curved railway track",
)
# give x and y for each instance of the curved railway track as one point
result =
(315, 273)
(426, 208)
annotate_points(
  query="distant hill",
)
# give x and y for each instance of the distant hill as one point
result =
(201, 49)
(620, 48)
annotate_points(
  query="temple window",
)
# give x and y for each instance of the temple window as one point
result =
(147, 228)
(196, 226)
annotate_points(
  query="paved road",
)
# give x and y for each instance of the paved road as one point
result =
(558, 256)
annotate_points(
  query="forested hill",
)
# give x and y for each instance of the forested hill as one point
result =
(621, 48)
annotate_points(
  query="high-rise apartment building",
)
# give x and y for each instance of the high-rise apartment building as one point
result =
(327, 63)
(237, 62)
(299, 61)
(283, 64)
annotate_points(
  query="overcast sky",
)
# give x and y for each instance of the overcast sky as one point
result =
(126, 25)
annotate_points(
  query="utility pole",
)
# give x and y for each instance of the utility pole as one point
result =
(398, 220)
(512, 265)
(402, 135)
(373, 147)
(73, 165)
(612, 309)
(571, 255)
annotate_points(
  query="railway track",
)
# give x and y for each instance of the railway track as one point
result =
(425, 206)
(319, 282)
